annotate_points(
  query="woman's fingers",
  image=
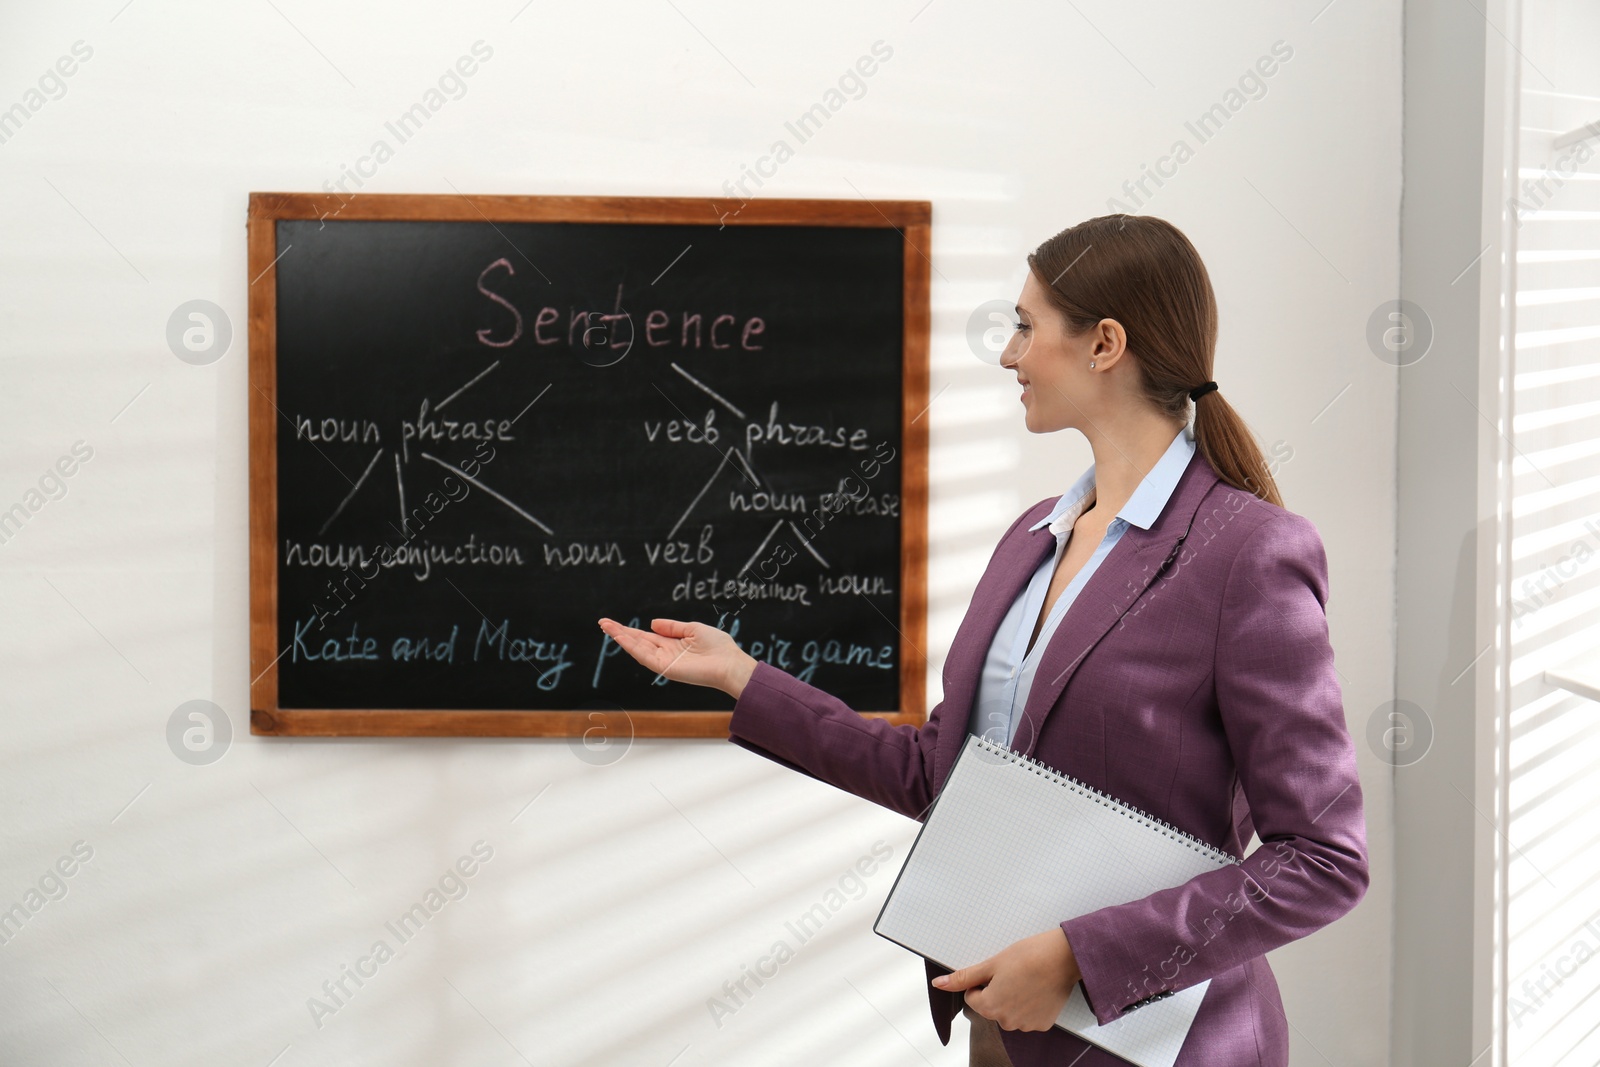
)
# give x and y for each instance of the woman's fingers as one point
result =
(613, 627)
(615, 630)
(649, 649)
(966, 977)
(671, 627)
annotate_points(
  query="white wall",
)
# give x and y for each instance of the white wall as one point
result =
(218, 900)
(1453, 489)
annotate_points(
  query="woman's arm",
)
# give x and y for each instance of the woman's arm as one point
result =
(799, 725)
(778, 716)
(795, 724)
(1280, 704)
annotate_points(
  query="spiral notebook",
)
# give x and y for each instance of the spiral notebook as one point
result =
(1011, 848)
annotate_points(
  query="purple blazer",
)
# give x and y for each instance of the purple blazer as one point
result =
(1193, 678)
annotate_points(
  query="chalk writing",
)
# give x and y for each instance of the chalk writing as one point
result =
(410, 649)
(423, 428)
(363, 431)
(773, 432)
(811, 653)
(496, 643)
(853, 585)
(419, 557)
(578, 554)
(762, 500)
(713, 589)
(681, 551)
(717, 331)
(678, 430)
(551, 658)
(843, 502)
(337, 649)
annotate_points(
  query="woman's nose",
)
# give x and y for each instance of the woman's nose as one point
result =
(1011, 353)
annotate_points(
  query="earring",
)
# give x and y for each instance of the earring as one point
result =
(1091, 363)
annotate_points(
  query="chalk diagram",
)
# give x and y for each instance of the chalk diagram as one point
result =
(731, 457)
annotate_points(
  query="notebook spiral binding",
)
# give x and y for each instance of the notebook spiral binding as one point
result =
(1160, 826)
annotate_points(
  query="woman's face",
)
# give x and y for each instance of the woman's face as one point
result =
(1059, 388)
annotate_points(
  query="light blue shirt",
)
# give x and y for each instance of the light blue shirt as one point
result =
(1009, 668)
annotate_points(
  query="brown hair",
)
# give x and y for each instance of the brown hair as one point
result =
(1144, 273)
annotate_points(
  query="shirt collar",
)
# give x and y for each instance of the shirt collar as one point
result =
(1147, 501)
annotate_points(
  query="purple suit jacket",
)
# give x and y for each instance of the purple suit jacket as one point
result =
(1192, 678)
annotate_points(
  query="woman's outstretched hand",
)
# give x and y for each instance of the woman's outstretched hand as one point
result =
(692, 652)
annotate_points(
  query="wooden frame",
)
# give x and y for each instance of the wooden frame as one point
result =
(912, 219)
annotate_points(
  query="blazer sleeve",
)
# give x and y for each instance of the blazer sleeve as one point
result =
(806, 729)
(1279, 700)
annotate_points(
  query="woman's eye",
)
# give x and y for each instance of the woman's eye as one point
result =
(1022, 326)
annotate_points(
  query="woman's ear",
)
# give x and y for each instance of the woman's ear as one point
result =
(1108, 343)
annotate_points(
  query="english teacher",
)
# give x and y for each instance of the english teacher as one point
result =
(1157, 631)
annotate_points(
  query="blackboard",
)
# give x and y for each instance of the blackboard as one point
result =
(480, 423)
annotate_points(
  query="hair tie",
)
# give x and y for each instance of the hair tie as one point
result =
(1201, 390)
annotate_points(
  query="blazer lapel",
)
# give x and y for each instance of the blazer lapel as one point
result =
(1015, 561)
(1122, 577)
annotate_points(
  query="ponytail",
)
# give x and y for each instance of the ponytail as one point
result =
(1221, 436)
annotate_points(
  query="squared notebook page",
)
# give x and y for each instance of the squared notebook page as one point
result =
(1012, 848)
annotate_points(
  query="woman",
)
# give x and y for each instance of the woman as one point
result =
(1167, 645)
